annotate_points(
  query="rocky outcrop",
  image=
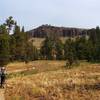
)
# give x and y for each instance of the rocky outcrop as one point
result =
(46, 30)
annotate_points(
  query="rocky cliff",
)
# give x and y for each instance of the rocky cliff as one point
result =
(46, 30)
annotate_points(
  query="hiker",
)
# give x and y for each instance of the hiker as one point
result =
(2, 76)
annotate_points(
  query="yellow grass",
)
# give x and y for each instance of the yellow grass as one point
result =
(40, 65)
(78, 83)
(37, 42)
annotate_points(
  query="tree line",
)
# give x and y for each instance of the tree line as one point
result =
(74, 49)
(19, 47)
(16, 46)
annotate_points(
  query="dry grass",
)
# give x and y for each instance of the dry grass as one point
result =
(81, 83)
(37, 42)
(40, 66)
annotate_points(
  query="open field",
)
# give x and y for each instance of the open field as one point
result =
(40, 66)
(53, 82)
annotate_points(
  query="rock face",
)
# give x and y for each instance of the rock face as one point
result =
(46, 30)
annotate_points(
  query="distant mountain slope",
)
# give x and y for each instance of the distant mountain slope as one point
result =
(45, 30)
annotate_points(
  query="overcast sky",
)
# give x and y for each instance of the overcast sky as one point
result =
(69, 13)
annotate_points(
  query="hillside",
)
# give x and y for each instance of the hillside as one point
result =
(45, 30)
(37, 42)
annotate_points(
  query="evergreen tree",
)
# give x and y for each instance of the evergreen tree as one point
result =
(81, 48)
(49, 49)
(12, 47)
(97, 46)
(59, 50)
(23, 30)
(92, 36)
(90, 51)
(70, 52)
(9, 23)
(4, 46)
(3, 29)
(31, 52)
(20, 41)
(95, 39)
(46, 49)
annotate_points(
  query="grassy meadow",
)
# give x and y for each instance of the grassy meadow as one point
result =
(50, 80)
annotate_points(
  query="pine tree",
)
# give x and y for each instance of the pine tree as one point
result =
(81, 48)
(31, 52)
(4, 47)
(9, 23)
(23, 30)
(12, 43)
(20, 41)
(59, 50)
(95, 39)
(46, 49)
(70, 52)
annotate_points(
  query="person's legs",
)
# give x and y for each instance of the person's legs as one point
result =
(2, 81)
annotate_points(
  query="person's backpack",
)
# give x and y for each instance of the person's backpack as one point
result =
(2, 74)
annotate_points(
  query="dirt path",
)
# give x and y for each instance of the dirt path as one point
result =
(20, 70)
(2, 94)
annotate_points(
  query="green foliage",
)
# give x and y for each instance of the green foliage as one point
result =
(3, 29)
(20, 43)
(95, 39)
(59, 50)
(12, 47)
(70, 52)
(81, 48)
(52, 48)
(23, 30)
(9, 23)
(31, 52)
(46, 48)
(4, 49)
(19, 47)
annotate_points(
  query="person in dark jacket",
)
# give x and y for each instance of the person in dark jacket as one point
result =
(2, 76)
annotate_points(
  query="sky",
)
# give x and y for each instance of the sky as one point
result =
(67, 13)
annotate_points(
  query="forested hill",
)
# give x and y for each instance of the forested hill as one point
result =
(45, 30)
